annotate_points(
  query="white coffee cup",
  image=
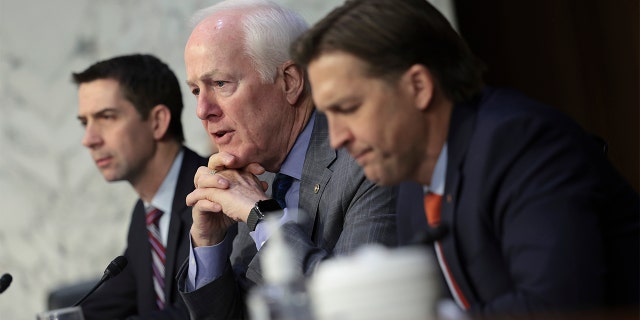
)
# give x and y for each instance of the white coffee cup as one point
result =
(377, 283)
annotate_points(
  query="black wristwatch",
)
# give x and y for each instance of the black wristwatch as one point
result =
(261, 210)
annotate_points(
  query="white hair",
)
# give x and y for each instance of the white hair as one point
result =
(269, 29)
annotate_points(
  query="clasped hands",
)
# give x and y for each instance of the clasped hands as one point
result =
(224, 194)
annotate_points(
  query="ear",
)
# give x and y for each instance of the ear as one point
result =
(159, 118)
(293, 81)
(421, 85)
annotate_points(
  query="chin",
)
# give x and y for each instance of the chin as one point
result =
(376, 177)
(383, 176)
(385, 181)
(111, 178)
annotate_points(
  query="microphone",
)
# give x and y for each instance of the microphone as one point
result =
(5, 281)
(112, 270)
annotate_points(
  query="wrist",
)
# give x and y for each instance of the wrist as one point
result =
(202, 239)
(259, 212)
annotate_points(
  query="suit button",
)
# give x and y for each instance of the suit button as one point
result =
(449, 198)
(316, 188)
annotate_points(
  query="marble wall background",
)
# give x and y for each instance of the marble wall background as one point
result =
(60, 222)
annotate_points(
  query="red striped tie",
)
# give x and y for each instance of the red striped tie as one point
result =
(157, 254)
(432, 204)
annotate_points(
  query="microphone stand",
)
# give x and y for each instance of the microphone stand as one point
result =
(113, 269)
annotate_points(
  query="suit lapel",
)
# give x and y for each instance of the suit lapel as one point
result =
(410, 220)
(142, 254)
(318, 158)
(461, 129)
(176, 224)
(181, 215)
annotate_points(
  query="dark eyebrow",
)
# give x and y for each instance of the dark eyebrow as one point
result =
(99, 113)
(338, 104)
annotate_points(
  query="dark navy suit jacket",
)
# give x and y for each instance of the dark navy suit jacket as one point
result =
(538, 218)
(131, 293)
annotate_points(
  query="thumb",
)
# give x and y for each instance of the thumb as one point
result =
(221, 160)
(255, 169)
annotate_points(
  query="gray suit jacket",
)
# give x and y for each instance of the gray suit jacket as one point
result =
(340, 211)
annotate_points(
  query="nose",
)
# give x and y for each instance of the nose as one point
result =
(339, 133)
(91, 137)
(207, 106)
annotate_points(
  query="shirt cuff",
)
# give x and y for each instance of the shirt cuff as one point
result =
(261, 234)
(208, 263)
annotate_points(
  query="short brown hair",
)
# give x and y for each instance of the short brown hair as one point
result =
(391, 36)
(145, 81)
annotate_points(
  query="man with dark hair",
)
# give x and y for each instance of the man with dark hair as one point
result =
(538, 220)
(130, 107)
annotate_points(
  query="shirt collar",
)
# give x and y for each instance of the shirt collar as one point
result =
(439, 174)
(163, 199)
(294, 163)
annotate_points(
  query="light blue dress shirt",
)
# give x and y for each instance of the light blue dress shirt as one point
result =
(163, 199)
(207, 263)
(439, 174)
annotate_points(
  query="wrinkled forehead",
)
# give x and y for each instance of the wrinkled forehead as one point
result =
(220, 35)
(221, 24)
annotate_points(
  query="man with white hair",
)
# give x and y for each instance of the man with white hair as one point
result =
(256, 106)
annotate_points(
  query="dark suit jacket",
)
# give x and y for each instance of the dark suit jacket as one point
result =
(131, 293)
(538, 218)
(342, 211)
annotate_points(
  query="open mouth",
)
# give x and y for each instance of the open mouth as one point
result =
(222, 136)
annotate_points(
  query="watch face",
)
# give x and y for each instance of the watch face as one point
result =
(266, 206)
(259, 213)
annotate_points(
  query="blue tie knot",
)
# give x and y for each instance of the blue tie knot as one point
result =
(279, 188)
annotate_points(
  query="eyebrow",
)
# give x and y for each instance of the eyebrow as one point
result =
(98, 113)
(340, 102)
(208, 75)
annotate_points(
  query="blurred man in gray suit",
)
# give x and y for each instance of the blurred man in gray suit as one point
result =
(256, 106)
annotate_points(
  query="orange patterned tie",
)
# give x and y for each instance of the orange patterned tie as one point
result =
(432, 204)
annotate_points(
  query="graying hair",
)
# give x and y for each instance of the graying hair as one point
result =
(269, 29)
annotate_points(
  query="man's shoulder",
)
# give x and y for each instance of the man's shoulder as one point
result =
(190, 164)
(504, 105)
(192, 156)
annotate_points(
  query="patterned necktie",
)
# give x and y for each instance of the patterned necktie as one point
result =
(279, 188)
(157, 254)
(432, 205)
